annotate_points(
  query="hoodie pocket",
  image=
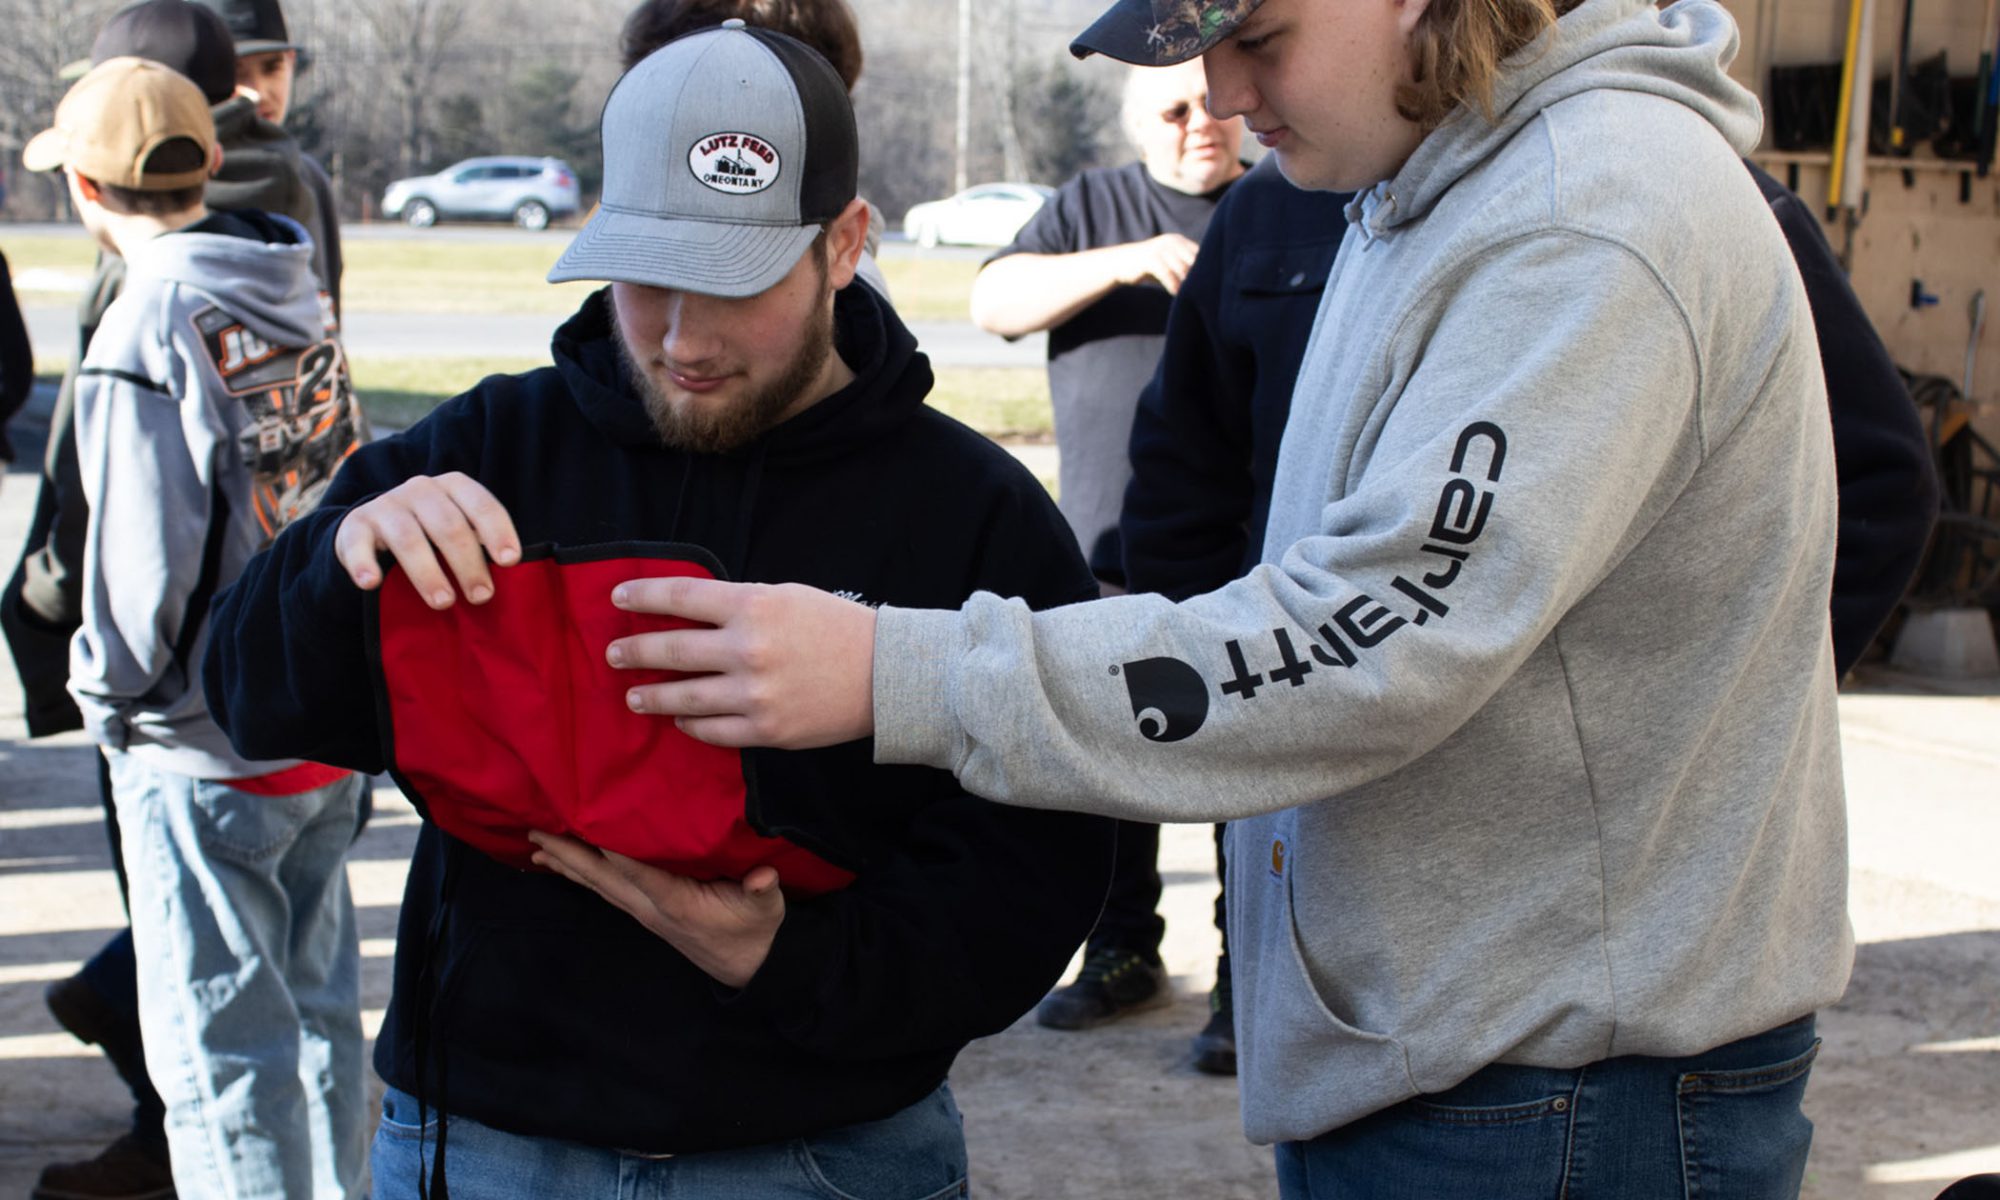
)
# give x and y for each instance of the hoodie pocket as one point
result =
(1306, 1067)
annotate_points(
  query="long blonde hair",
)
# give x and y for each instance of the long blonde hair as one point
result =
(1457, 48)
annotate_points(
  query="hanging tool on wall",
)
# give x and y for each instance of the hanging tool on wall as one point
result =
(1844, 112)
(1899, 85)
(1989, 106)
(1848, 189)
(1972, 342)
(1983, 81)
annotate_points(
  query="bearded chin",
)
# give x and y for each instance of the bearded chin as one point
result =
(718, 430)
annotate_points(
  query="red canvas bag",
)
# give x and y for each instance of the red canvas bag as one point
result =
(504, 717)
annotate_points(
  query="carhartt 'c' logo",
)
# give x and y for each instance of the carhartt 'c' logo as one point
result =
(736, 163)
(1169, 698)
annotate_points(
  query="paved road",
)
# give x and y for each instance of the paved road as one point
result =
(462, 335)
(893, 244)
(513, 335)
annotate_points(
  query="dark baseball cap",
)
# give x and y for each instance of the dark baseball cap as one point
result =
(174, 33)
(1160, 33)
(724, 151)
(257, 26)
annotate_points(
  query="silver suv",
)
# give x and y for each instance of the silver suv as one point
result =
(527, 191)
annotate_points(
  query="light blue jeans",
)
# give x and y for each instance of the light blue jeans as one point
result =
(916, 1154)
(249, 980)
(1721, 1125)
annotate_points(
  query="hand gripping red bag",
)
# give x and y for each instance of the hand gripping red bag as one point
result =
(504, 717)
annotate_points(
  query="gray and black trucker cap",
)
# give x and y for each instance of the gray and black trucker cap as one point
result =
(1160, 33)
(724, 151)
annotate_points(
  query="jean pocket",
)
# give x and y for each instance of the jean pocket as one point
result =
(400, 1118)
(1504, 1132)
(242, 828)
(916, 1154)
(1490, 1114)
(1742, 1131)
(1501, 1094)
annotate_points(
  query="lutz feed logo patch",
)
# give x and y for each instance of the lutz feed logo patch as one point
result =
(739, 164)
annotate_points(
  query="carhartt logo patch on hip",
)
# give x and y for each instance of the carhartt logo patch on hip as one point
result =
(1279, 854)
(738, 164)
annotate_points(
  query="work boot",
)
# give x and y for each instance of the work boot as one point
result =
(128, 1169)
(1215, 1045)
(1112, 983)
(78, 1007)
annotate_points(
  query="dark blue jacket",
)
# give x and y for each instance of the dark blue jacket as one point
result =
(1205, 439)
(1888, 483)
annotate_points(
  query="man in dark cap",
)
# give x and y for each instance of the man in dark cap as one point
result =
(268, 62)
(39, 611)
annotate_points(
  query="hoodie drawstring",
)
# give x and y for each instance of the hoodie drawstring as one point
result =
(424, 1022)
(753, 478)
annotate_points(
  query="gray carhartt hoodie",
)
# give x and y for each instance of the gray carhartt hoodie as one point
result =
(1527, 725)
(211, 410)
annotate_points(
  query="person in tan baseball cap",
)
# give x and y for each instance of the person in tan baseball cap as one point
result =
(131, 125)
(138, 144)
(212, 406)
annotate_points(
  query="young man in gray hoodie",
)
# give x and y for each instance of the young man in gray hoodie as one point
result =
(211, 409)
(261, 169)
(1525, 725)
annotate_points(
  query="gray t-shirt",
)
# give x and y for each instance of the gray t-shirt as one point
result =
(1103, 357)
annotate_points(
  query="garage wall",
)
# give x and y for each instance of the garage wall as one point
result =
(1912, 230)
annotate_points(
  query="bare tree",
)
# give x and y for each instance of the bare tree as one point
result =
(415, 37)
(42, 36)
(401, 87)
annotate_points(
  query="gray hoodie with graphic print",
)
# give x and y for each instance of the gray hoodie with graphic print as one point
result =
(211, 410)
(1527, 724)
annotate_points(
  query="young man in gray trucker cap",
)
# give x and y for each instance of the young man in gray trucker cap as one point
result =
(729, 390)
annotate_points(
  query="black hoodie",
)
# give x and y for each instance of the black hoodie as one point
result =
(560, 1016)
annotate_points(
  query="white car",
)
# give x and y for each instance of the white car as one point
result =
(989, 214)
(527, 191)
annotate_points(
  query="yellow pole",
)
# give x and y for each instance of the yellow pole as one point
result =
(1847, 72)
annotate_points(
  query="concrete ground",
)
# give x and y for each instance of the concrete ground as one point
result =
(1906, 1096)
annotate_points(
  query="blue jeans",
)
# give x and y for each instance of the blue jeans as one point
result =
(916, 1154)
(249, 980)
(1721, 1124)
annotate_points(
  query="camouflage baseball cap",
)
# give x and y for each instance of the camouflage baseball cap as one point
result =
(1160, 33)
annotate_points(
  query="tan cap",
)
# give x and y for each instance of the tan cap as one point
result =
(116, 116)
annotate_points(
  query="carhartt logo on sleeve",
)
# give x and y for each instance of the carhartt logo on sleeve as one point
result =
(738, 164)
(1169, 698)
